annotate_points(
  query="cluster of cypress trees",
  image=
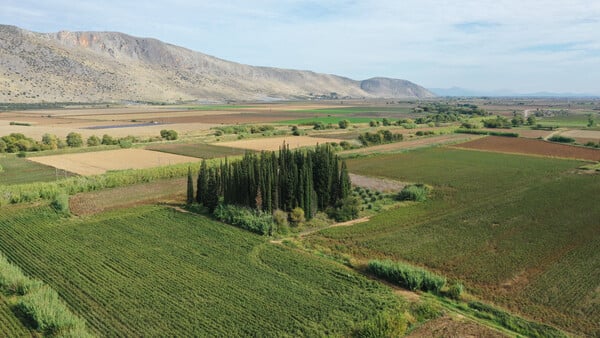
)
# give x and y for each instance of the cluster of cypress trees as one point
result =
(309, 179)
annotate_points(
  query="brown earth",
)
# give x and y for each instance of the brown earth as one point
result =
(453, 326)
(531, 147)
(90, 203)
(379, 184)
(412, 144)
(101, 161)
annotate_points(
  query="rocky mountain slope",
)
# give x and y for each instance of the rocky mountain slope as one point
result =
(107, 66)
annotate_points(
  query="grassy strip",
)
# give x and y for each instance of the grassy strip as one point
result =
(25, 193)
(407, 276)
(485, 132)
(40, 303)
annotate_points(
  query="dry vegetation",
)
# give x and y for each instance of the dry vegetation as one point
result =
(274, 143)
(99, 162)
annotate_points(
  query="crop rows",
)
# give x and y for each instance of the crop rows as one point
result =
(151, 270)
(10, 325)
(495, 221)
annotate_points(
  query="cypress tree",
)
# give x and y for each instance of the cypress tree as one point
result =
(211, 200)
(202, 183)
(345, 183)
(190, 187)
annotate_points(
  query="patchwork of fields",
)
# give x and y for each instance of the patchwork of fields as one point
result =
(519, 231)
(274, 143)
(150, 270)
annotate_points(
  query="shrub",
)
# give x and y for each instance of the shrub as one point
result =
(345, 210)
(561, 139)
(21, 154)
(108, 140)
(253, 220)
(344, 124)
(414, 192)
(125, 143)
(61, 204)
(168, 135)
(280, 218)
(74, 140)
(297, 216)
(455, 290)
(426, 310)
(93, 141)
(407, 276)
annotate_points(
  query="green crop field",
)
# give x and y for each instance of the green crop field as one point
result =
(10, 325)
(357, 110)
(519, 231)
(199, 150)
(571, 120)
(19, 170)
(151, 271)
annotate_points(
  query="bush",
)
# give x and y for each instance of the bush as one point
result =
(407, 276)
(297, 216)
(168, 135)
(280, 218)
(253, 220)
(93, 141)
(61, 204)
(414, 192)
(108, 140)
(561, 139)
(345, 210)
(125, 143)
(74, 140)
(21, 154)
(344, 124)
(426, 310)
(455, 290)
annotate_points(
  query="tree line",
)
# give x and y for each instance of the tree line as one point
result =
(308, 179)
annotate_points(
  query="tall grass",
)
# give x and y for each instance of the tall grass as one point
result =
(407, 276)
(30, 192)
(40, 303)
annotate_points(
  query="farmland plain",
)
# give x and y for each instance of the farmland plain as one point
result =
(149, 270)
(519, 231)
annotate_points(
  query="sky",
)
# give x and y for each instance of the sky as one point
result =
(523, 46)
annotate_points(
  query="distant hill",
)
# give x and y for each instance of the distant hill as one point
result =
(462, 92)
(108, 66)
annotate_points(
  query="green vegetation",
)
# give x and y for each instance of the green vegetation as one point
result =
(39, 303)
(407, 276)
(516, 230)
(307, 179)
(253, 220)
(169, 135)
(74, 140)
(149, 270)
(30, 192)
(569, 120)
(498, 122)
(20, 124)
(561, 139)
(326, 120)
(19, 171)
(380, 137)
(244, 129)
(357, 110)
(414, 192)
(485, 132)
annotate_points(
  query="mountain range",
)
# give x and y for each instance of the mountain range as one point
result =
(110, 66)
(462, 92)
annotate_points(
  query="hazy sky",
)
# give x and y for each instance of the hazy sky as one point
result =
(522, 45)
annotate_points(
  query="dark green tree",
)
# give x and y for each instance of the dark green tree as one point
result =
(202, 184)
(211, 200)
(74, 140)
(190, 187)
(345, 183)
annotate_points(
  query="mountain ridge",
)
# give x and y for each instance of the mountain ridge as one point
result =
(111, 66)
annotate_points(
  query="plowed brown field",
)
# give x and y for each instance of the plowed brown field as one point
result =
(531, 147)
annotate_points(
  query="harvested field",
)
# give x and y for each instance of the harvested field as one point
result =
(412, 144)
(273, 143)
(531, 147)
(379, 184)
(99, 162)
(123, 197)
(448, 326)
(200, 150)
(583, 136)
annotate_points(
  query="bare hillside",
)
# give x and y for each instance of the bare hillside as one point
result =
(108, 66)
